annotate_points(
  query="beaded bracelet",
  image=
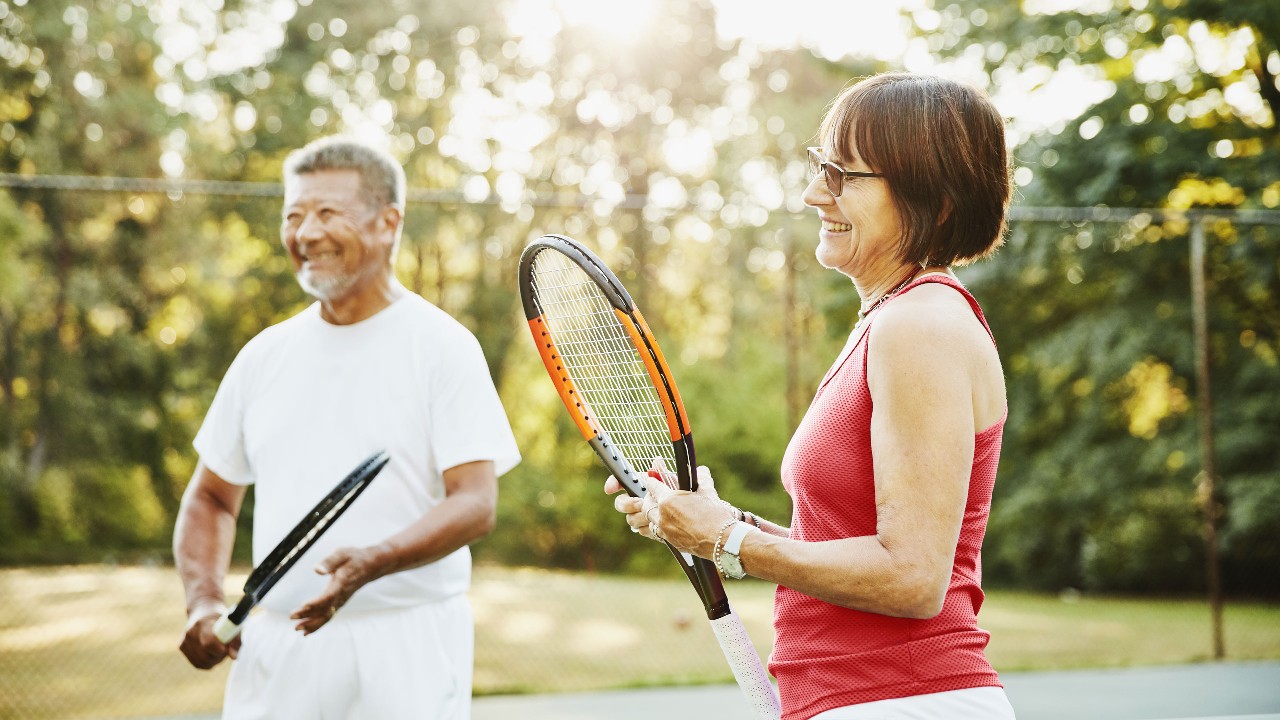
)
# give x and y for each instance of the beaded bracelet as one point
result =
(715, 552)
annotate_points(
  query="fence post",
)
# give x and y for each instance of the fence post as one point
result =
(1207, 490)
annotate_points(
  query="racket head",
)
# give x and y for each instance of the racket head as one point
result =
(607, 367)
(617, 387)
(612, 377)
(309, 529)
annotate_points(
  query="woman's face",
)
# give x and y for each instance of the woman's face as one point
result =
(861, 228)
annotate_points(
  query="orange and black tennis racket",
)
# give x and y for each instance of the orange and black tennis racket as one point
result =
(619, 391)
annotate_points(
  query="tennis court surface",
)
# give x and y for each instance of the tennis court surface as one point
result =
(1225, 691)
(1210, 691)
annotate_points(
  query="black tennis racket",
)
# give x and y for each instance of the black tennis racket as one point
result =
(618, 389)
(298, 541)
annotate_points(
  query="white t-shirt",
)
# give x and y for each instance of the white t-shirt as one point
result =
(306, 401)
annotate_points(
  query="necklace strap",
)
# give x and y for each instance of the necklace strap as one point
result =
(863, 313)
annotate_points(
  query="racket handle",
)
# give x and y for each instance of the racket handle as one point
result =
(225, 628)
(746, 665)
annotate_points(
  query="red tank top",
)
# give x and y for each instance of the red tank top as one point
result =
(828, 656)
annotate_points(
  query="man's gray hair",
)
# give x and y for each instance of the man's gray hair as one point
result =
(381, 177)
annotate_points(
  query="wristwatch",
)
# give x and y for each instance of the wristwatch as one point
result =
(729, 562)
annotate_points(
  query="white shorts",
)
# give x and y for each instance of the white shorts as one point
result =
(391, 664)
(981, 703)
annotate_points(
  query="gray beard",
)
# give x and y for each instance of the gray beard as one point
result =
(327, 287)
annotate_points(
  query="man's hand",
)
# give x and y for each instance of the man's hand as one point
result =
(201, 647)
(349, 569)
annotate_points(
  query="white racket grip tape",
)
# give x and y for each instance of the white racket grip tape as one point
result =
(746, 665)
(224, 629)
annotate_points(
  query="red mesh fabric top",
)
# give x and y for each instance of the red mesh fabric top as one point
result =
(828, 656)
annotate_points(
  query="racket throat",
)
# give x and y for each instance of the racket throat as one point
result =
(717, 610)
(703, 574)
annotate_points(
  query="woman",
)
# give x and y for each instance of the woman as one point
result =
(892, 467)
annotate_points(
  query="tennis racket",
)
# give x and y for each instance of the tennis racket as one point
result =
(298, 541)
(613, 379)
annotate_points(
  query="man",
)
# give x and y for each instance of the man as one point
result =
(369, 366)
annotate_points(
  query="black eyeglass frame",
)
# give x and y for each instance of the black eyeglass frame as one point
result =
(833, 173)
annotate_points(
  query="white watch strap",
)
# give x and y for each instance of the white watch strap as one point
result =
(734, 543)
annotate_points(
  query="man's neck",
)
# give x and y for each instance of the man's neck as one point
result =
(363, 303)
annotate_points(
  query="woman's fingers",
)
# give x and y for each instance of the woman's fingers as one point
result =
(658, 471)
(627, 504)
(644, 516)
(705, 482)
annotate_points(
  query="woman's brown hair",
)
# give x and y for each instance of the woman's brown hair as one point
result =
(940, 145)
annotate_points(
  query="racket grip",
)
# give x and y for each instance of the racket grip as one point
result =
(225, 629)
(746, 665)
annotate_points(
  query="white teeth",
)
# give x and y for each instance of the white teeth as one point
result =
(836, 227)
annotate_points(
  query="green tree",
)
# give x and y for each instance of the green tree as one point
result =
(1098, 484)
(74, 100)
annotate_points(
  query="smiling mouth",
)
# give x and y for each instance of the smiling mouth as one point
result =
(319, 256)
(835, 226)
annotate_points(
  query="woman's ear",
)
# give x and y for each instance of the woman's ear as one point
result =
(945, 213)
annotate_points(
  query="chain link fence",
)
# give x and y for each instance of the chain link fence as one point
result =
(100, 641)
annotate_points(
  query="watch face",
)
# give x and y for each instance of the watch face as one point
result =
(731, 565)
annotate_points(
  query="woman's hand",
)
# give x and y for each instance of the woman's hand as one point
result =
(688, 521)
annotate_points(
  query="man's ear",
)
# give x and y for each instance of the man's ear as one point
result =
(394, 219)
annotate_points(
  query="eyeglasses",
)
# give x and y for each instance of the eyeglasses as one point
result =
(834, 174)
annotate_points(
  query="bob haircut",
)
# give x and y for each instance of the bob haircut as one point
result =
(940, 145)
(382, 179)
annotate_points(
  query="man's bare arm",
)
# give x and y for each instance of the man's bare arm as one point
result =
(202, 540)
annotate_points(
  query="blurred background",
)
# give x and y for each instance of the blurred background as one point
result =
(140, 153)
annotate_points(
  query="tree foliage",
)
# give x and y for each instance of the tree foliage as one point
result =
(1100, 480)
(679, 158)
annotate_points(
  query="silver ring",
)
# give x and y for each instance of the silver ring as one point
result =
(649, 514)
(653, 530)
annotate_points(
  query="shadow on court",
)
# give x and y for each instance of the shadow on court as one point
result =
(1226, 691)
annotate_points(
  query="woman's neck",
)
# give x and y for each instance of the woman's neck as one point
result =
(883, 283)
(889, 281)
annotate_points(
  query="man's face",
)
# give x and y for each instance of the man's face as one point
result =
(337, 242)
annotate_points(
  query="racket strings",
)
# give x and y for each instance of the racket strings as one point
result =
(602, 361)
